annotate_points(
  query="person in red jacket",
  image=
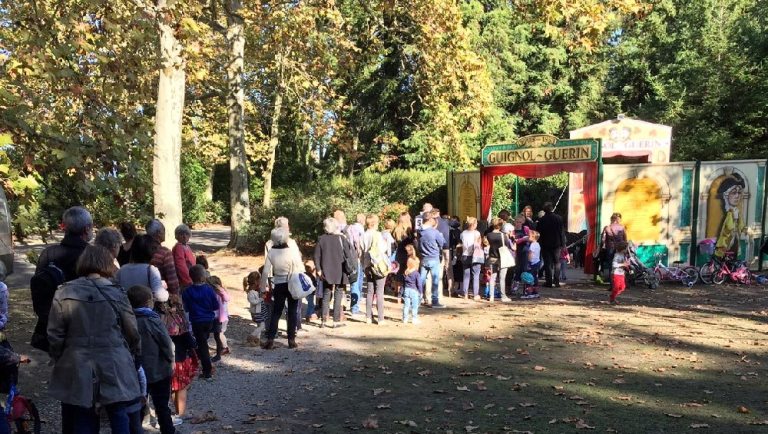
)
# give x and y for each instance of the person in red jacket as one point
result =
(183, 256)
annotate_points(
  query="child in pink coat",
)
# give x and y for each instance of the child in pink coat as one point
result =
(222, 318)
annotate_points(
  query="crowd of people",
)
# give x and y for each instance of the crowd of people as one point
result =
(127, 320)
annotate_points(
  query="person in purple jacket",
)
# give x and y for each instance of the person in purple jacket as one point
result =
(412, 287)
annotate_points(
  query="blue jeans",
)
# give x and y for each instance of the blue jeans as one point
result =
(356, 292)
(432, 266)
(411, 301)
(563, 267)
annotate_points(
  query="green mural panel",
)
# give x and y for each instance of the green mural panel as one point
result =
(647, 254)
(760, 192)
(685, 250)
(686, 198)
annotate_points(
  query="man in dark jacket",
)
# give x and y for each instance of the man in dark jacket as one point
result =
(552, 239)
(78, 231)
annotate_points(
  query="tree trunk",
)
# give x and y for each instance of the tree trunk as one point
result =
(166, 167)
(274, 135)
(238, 165)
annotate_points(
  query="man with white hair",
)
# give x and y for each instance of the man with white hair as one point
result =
(281, 222)
(354, 234)
(78, 231)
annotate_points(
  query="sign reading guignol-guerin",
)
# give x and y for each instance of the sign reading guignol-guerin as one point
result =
(540, 148)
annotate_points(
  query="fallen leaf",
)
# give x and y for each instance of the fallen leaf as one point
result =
(383, 406)
(691, 404)
(427, 408)
(317, 425)
(409, 423)
(487, 406)
(742, 410)
(580, 424)
(526, 404)
(470, 428)
(377, 392)
(371, 423)
(698, 425)
(539, 368)
(462, 388)
(468, 406)
(759, 422)
(673, 415)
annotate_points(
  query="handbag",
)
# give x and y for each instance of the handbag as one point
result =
(299, 284)
(506, 258)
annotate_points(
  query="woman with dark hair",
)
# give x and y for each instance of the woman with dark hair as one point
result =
(140, 272)
(730, 191)
(128, 230)
(94, 343)
(613, 234)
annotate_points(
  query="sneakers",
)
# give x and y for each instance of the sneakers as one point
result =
(505, 299)
(215, 358)
(529, 296)
(416, 321)
(437, 306)
(477, 298)
(381, 323)
(368, 321)
(405, 320)
(177, 420)
(338, 324)
(599, 280)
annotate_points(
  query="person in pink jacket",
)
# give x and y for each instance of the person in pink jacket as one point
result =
(183, 257)
(222, 318)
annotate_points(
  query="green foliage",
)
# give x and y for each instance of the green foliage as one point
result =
(197, 208)
(384, 194)
(533, 192)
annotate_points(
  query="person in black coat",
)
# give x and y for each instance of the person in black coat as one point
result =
(552, 239)
(329, 257)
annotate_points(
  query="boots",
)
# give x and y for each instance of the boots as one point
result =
(269, 344)
(292, 343)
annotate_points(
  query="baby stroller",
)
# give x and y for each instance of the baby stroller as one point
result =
(638, 272)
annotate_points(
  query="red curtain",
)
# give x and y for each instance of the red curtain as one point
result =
(589, 169)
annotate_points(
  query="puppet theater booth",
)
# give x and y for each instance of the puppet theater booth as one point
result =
(668, 208)
(539, 156)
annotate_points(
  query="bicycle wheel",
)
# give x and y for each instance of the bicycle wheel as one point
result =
(26, 419)
(651, 280)
(706, 272)
(718, 278)
(659, 274)
(689, 275)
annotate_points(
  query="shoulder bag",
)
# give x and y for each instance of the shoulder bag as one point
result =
(506, 258)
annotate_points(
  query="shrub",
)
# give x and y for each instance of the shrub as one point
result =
(306, 206)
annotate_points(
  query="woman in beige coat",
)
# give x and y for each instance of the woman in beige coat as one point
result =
(94, 342)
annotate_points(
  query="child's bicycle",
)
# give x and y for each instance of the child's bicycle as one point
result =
(20, 413)
(686, 274)
(717, 270)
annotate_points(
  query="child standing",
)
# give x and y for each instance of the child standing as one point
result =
(565, 259)
(222, 318)
(534, 264)
(251, 287)
(412, 286)
(620, 263)
(201, 303)
(156, 354)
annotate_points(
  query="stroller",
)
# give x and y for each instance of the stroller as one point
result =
(638, 272)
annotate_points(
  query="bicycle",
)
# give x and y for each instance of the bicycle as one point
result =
(686, 274)
(20, 412)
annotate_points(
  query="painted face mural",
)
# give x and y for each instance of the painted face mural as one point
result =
(732, 226)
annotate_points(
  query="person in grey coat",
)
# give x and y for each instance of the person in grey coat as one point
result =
(94, 343)
(329, 257)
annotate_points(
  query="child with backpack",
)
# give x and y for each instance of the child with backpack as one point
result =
(157, 354)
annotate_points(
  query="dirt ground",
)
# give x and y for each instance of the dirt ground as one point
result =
(665, 361)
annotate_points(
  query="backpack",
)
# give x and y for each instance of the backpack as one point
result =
(380, 266)
(350, 265)
(43, 285)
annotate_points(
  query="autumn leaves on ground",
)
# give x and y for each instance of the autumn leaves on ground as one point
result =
(669, 360)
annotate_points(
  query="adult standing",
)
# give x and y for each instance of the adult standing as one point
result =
(426, 212)
(612, 235)
(128, 231)
(472, 257)
(354, 234)
(279, 265)
(520, 234)
(163, 257)
(110, 239)
(78, 231)
(94, 342)
(376, 251)
(403, 235)
(329, 259)
(183, 256)
(431, 245)
(552, 239)
(283, 222)
(496, 241)
(528, 214)
(140, 272)
(446, 271)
